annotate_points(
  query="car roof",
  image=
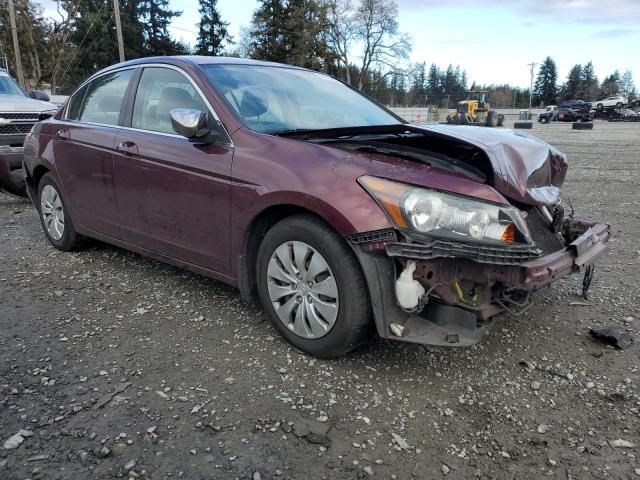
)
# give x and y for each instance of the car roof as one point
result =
(198, 60)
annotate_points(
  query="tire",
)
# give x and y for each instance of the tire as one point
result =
(12, 178)
(525, 125)
(500, 120)
(463, 119)
(492, 119)
(599, 106)
(69, 239)
(544, 120)
(582, 126)
(311, 236)
(619, 105)
(451, 120)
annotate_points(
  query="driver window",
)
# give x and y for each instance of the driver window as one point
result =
(161, 90)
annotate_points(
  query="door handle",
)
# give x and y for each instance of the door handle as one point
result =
(127, 148)
(63, 134)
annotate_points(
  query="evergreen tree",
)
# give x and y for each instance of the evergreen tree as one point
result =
(155, 17)
(418, 91)
(212, 32)
(305, 39)
(572, 89)
(545, 89)
(589, 82)
(610, 85)
(132, 29)
(92, 42)
(433, 84)
(268, 31)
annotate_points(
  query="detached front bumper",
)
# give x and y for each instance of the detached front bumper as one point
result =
(468, 283)
(587, 247)
(11, 173)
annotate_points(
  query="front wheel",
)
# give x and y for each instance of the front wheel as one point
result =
(55, 218)
(311, 285)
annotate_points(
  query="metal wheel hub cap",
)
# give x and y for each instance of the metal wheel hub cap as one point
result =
(303, 290)
(52, 212)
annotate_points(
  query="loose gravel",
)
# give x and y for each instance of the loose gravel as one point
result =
(116, 366)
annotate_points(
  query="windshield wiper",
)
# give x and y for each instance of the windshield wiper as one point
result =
(292, 131)
(345, 132)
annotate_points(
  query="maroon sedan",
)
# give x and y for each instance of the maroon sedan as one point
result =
(302, 192)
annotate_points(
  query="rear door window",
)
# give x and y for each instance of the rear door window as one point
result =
(104, 98)
(161, 90)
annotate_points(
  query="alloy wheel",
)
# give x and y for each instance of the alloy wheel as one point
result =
(52, 212)
(303, 290)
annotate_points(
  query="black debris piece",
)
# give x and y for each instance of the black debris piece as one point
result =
(611, 336)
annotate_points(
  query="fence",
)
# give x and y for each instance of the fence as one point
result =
(435, 115)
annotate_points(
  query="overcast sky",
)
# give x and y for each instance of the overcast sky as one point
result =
(493, 40)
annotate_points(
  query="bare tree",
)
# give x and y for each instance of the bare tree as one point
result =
(384, 45)
(341, 32)
(372, 30)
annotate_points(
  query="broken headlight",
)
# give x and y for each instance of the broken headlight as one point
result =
(436, 214)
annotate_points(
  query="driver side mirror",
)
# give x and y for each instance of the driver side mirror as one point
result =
(194, 124)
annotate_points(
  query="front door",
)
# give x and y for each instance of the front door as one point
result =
(83, 146)
(173, 194)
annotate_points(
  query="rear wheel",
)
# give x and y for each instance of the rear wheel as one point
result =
(492, 119)
(55, 218)
(311, 285)
(599, 106)
(544, 120)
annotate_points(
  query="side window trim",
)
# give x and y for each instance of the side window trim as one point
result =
(199, 92)
(84, 88)
(87, 84)
(126, 114)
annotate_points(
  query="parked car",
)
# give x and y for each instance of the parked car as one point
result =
(576, 105)
(616, 101)
(18, 113)
(303, 192)
(565, 115)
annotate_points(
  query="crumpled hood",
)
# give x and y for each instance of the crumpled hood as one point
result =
(526, 169)
(20, 103)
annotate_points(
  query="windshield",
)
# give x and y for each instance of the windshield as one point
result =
(276, 99)
(9, 87)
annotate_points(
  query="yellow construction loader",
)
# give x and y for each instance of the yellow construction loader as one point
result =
(475, 110)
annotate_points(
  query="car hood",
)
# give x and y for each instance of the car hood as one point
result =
(526, 169)
(19, 103)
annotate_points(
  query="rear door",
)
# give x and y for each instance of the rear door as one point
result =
(83, 147)
(173, 194)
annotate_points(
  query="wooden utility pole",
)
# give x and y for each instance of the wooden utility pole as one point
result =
(532, 65)
(116, 9)
(16, 46)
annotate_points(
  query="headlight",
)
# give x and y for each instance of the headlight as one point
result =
(47, 114)
(422, 212)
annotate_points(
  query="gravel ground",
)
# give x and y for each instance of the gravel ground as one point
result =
(115, 365)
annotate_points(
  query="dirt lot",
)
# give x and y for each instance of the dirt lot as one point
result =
(121, 366)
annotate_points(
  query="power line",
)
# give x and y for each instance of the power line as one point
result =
(86, 52)
(83, 39)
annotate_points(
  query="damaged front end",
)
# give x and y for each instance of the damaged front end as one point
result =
(451, 262)
(459, 287)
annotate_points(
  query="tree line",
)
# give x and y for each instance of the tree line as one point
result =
(358, 41)
(581, 84)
